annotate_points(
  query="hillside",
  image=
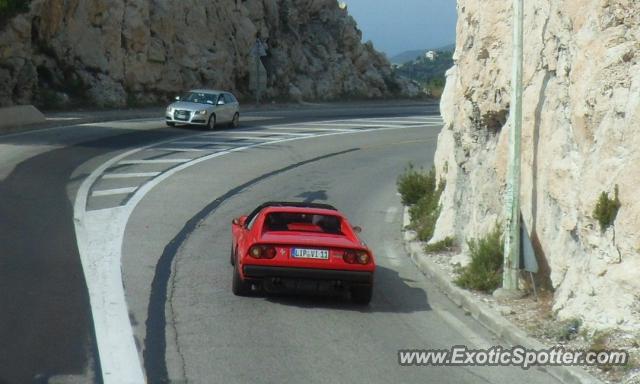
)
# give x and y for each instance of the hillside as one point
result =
(430, 74)
(114, 54)
(407, 56)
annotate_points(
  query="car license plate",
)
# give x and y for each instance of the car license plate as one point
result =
(303, 253)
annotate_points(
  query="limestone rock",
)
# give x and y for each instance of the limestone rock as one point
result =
(580, 138)
(110, 51)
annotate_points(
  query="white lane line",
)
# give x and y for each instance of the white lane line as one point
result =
(179, 149)
(269, 132)
(202, 142)
(116, 191)
(154, 161)
(255, 138)
(468, 333)
(129, 175)
(315, 129)
(391, 214)
(100, 235)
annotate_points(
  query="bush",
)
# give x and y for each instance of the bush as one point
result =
(484, 273)
(414, 184)
(443, 245)
(607, 209)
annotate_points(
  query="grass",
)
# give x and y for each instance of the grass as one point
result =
(421, 192)
(414, 183)
(441, 246)
(606, 209)
(484, 272)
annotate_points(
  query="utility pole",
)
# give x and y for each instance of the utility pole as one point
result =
(512, 198)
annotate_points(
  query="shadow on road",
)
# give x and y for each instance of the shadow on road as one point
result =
(392, 294)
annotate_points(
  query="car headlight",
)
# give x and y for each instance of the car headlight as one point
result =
(203, 112)
(169, 109)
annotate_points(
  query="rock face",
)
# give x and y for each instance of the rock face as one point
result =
(134, 51)
(581, 136)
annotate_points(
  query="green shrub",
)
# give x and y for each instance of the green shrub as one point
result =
(413, 184)
(607, 209)
(443, 245)
(420, 192)
(484, 272)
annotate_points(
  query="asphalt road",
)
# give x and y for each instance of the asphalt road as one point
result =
(148, 209)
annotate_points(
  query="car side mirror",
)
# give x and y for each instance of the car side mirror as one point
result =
(357, 229)
(220, 102)
(177, 98)
(239, 220)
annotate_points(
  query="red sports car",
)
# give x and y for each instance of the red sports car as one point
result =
(305, 247)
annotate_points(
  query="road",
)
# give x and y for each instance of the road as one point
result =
(115, 238)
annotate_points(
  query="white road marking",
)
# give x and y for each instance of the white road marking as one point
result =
(316, 129)
(469, 334)
(391, 214)
(270, 132)
(201, 142)
(179, 149)
(100, 234)
(116, 191)
(254, 138)
(129, 175)
(154, 161)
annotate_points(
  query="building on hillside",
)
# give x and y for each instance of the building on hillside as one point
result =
(430, 55)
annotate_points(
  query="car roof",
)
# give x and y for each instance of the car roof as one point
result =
(295, 206)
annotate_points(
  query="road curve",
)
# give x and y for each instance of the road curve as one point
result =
(152, 222)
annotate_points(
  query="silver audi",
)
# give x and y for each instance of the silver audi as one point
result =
(205, 107)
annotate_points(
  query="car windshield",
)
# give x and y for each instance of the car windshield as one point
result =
(303, 222)
(200, 97)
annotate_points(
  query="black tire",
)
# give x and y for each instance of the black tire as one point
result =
(235, 123)
(239, 287)
(171, 124)
(211, 124)
(362, 294)
(232, 258)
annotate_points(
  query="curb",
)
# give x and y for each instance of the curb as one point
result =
(487, 317)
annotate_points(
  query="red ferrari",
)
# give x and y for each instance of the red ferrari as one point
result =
(300, 247)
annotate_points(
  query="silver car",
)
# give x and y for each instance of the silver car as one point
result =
(206, 107)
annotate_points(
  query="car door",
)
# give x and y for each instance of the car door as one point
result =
(231, 104)
(222, 113)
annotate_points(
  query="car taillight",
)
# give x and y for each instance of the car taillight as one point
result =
(262, 252)
(356, 257)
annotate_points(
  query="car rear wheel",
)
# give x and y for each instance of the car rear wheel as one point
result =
(171, 124)
(235, 123)
(211, 125)
(362, 294)
(239, 287)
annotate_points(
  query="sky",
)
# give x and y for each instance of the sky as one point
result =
(396, 26)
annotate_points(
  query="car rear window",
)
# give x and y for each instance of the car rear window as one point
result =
(302, 222)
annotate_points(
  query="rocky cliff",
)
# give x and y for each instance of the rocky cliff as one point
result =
(580, 137)
(118, 52)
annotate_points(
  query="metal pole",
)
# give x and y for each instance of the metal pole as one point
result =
(512, 198)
